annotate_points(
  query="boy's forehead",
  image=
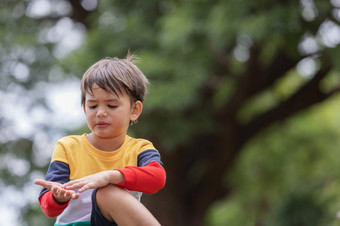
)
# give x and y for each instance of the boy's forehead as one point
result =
(107, 93)
(96, 92)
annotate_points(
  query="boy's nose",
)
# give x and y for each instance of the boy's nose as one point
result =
(101, 113)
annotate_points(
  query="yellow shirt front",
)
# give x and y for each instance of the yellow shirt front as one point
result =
(84, 159)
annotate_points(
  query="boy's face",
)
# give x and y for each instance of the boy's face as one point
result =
(107, 115)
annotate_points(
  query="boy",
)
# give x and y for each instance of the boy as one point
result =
(98, 178)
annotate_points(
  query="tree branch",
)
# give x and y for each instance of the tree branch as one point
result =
(306, 96)
(210, 185)
(251, 84)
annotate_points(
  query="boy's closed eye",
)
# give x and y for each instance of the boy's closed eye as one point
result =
(110, 106)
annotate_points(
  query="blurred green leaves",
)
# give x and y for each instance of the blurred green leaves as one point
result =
(288, 175)
(215, 67)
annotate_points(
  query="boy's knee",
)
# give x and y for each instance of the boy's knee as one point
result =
(108, 192)
(105, 197)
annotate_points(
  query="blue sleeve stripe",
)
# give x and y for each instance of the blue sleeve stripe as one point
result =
(57, 172)
(148, 156)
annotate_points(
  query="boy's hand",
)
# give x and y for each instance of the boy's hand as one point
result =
(97, 180)
(60, 194)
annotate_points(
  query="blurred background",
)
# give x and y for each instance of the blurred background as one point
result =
(243, 103)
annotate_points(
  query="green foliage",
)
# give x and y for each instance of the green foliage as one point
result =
(288, 175)
(281, 91)
(188, 50)
(33, 216)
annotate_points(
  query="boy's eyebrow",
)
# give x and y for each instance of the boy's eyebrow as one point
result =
(112, 99)
(108, 100)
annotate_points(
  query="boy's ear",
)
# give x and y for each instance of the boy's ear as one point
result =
(136, 110)
(84, 108)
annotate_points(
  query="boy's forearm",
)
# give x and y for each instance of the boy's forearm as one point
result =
(116, 177)
(149, 179)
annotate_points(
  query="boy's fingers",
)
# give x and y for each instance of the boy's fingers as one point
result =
(85, 187)
(43, 183)
(82, 189)
(73, 185)
(75, 196)
(62, 192)
(39, 182)
(71, 182)
(68, 185)
(55, 190)
(69, 193)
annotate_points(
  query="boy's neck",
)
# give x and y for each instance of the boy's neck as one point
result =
(106, 144)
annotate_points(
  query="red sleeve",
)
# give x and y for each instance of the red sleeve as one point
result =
(49, 206)
(149, 178)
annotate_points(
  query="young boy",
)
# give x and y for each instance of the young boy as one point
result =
(98, 178)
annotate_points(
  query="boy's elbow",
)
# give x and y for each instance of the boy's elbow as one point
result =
(162, 180)
(160, 183)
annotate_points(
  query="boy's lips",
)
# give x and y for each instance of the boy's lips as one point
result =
(102, 124)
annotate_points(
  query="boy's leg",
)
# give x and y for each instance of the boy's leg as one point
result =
(116, 204)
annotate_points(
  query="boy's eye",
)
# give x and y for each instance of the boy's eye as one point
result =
(111, 106)
(93, 106)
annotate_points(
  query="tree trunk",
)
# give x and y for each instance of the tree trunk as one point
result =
(184, 200)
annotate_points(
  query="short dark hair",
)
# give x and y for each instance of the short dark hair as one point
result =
(116, 75)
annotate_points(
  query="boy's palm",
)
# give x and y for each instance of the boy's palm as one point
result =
(60, 194)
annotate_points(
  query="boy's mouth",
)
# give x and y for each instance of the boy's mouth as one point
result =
(102, 124)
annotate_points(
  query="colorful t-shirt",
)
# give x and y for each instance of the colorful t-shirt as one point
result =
(74, 158)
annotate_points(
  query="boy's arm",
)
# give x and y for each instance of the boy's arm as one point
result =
(49, 206)
(149, 179)
(57, 172)
(149, 176)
